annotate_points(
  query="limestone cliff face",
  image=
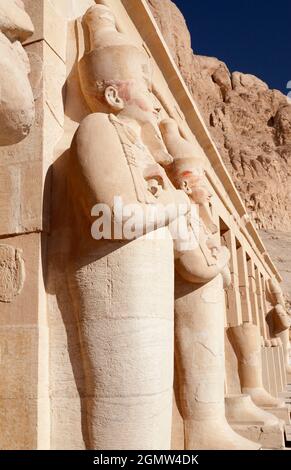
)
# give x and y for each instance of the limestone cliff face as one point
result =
(250, 124)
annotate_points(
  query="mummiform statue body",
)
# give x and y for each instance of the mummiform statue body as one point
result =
(122, 286)
(247, 342)
(279, 320)
(201, 273)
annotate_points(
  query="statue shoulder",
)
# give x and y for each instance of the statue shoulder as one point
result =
(94, 119)
(98, 168)
(96, 141)
(95, 126)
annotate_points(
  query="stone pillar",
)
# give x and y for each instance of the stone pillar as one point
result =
(261, 303)
(283, 358)
(265, 369)
(253, 292)
(279, 365)
(243, 415)
(278, 369)
(244, 285)
(272, 372)
(234, 311)
(234, 308)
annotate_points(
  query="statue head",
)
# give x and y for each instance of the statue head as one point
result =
(115, 74)
(188, 168)
(186, 155)
(281, 319)
(274, 292)
(194, 185)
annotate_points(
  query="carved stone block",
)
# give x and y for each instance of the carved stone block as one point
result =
(12, 273)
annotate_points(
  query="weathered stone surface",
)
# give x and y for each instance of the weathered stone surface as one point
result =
(250, 124)
(14, 21)
(278, 245)
(18, 422)
(271, 437)
(12, 273)
(16, 98)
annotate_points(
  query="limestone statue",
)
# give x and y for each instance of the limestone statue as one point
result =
(199, 315)
(187, 169)
(278, 319)
(122, 288)
(246, 343)
(16, 100)
(241, 409)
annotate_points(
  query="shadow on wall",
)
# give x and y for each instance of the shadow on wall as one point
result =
(67, 384)
(56, 247)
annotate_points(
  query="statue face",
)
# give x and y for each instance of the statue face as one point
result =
(196, 189)
(134, 99)
(200, 194)
(141, 103)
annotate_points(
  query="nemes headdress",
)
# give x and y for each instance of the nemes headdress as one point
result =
(109, 56)
(186, 162)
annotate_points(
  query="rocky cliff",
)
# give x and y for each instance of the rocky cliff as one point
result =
(250, 124)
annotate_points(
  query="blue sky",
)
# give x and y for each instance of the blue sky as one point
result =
(249, 36)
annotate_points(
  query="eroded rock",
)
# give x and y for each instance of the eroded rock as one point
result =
(250, 123)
